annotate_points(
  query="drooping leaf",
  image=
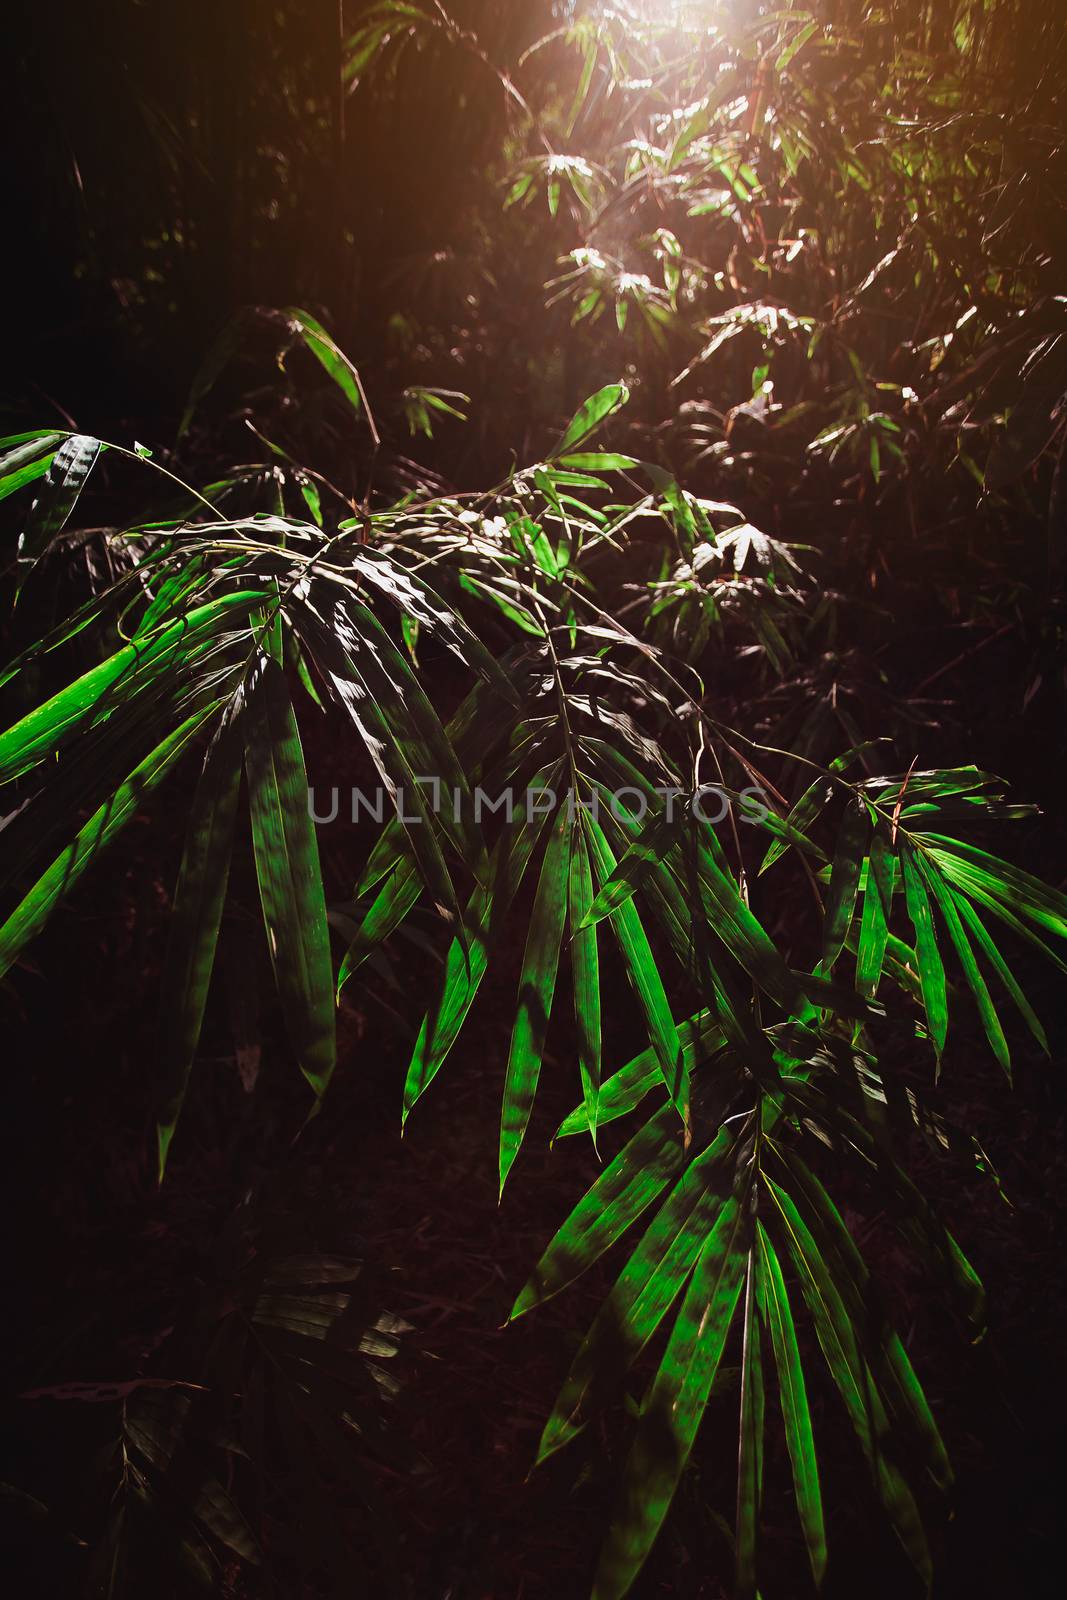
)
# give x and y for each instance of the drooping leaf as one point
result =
(195, 918)
(700, 1036)
(644, 1292)
(793, 1394)
(877, 906)
(63, 483)
(289, 873)
(949, 908)
(585, 967)
(844, 881)
(30, 916)
(927, 955)
(400, 891)
(750, 1452)
(674, 1404)
(465, 965)
(626, 1187)
(838, 1339)
(537, 985)
(645, 974)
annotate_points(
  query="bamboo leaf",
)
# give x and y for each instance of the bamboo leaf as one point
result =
(850, 1372)
(585, 966)
(290, 878)
(874, 924)
(844, 881)
(796, 1415)
(996, 960)
(625, 1188)
(30, 916)
(675, 1404)
(591, 414)
(391, 905)
(700, 1036)
(641, 964)
(750, 1453)
(195, 918)
(64, 481)
(931, 967)
(537, 985)
(644, 1292)
(948, 906)
(465, 964)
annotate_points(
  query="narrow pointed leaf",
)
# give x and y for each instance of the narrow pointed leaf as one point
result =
(750, 1441)
(674, 1405)
(844, 881)
(589, 417)
(30, 916)
(644, 1292)
(948, 906)
(465, 965)
(537, 986)
(793, 1398)
(289, 874)
(850, 1372)
(989, 949)
(585, 967)
(195, 918)
(927, 955)
(874, 924)
(64, 481)
(700, 1036)
(641, 964)
(398, 894)
(625, 1188)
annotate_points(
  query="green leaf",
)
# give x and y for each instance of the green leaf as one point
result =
(590, 415)
(966, 864)
(750, 1452)
(625, 1188)
(948, 905)
(332, 358)
(66, 477)
(48, 726)
(850, 1372)
(466, 963)
(874, 925)
(844, 881)
(537, 985)
(700, 1036)
(391, 905)
(881, 1344)
(599, 461)
(378, 712)
(815, 797)
(674, 1405)
(195, 918)
(410, 713)
(793, 1396)
(641, 964)
(289, 874)
(585, 967)
(27, 457)
(927, 956)
(1004, 973)
(645, 1290)
(30, 916)
(657, 837)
